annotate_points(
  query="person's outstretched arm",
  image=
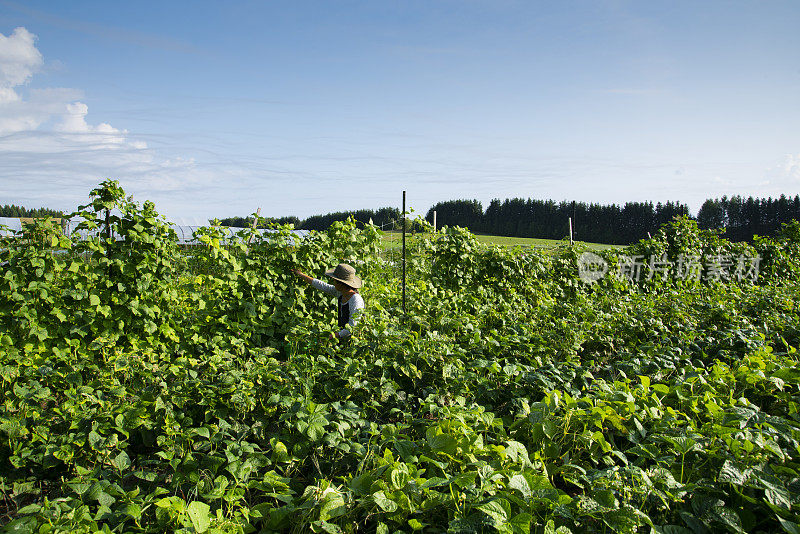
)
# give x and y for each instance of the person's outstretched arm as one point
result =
(316, 284)
(303, 276)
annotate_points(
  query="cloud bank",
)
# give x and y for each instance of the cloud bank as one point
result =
(56, 109)
(53, 156)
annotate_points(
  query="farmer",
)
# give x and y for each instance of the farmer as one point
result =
(345, 287)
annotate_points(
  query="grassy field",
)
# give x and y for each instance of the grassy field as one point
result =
(393, 240)
(533, 242)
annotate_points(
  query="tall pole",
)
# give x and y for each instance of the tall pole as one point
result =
(573, 218)
(404, 256)
(570, 230)
(255, 225)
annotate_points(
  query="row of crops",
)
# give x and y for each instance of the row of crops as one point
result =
(149, 389)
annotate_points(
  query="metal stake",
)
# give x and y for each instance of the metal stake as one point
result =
(404, 256)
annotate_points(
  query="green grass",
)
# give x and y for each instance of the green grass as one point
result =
(534, 242)
(392, 240)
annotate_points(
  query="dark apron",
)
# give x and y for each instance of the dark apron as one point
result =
(344, 313)
(343, 318)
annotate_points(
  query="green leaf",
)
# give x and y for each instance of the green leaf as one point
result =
(121, 461)
(315, 431)
(198, 514)
(133, 510)
(279, 451)
(202, 431)
(730, 473)
(517, 452)
(361, 484)
(149, 476)
(385, 503)
(682, 444)
(94, 300)
(672, 529)
(626, 519)
(405, 449)
(661, 388)
(166, 502)
(778, 497)
(105, 499)
(330, 528)
(434, 482)
(30, 509)
(399, 478)
(789, 526)
(727, 517)
(521, 523)
(774, 489)
(465, 480)
(605, 497)
(439, 442)
(332, 506)
(497, 509)
(416, 525)
(79, 488)
(95, 439)
(519, 483)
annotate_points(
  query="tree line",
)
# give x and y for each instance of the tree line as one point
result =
(384, 217)
(743, 218)
(739, 218)
(12, 210)
(547, 219)
(247, 222)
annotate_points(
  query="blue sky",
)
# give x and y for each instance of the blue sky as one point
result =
(309, 107)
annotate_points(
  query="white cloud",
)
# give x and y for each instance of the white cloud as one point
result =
(58, 169)
(791, 167)
(786, 174)
(8, 95)
(59, 108)
(19, 58)
(53, 156)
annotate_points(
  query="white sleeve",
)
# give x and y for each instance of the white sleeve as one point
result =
(356, 305)
(322, 286)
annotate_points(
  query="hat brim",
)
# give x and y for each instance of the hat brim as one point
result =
(355, 283)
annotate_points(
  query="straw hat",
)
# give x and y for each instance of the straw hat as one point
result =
(345, 274)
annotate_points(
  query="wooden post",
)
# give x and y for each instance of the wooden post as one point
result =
(434, 220)
(570, 230)
(574, 221)
(255, 224)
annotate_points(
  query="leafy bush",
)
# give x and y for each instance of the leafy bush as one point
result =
(195, 392)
